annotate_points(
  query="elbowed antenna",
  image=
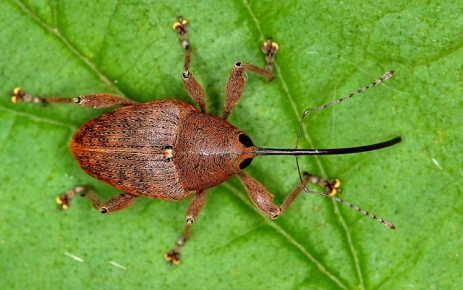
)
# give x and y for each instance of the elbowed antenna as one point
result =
(298, 152)
(384, 77)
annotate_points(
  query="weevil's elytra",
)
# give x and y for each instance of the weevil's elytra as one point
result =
(123, 148)
(167, 149)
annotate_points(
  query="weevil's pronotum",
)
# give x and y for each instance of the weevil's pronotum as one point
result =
(167, 149)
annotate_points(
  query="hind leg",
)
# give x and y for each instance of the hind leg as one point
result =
(116, 203)
(192, 213)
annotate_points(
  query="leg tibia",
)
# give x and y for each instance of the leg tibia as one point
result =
(289, 200)
(102, 100)
(195, 90)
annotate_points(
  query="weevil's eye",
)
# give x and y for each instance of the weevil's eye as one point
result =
(245, 163)
(245, 141)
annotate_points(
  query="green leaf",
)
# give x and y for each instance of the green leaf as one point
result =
(327, 50)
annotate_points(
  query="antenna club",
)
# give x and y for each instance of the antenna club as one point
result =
(388, 225)
(387, 75)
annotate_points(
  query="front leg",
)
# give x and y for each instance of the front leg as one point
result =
(263, 199)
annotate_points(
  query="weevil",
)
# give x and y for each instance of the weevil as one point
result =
(169, 150)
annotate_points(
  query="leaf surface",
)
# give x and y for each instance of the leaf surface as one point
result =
(327, 50)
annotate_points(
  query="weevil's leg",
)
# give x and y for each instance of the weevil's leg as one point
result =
(116, 203)
(235, 84)
(195, 91)
(102, 100)
(269, 48)
(263, 199)
(192, 212)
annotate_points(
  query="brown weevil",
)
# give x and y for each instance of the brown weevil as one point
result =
(168, 149)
